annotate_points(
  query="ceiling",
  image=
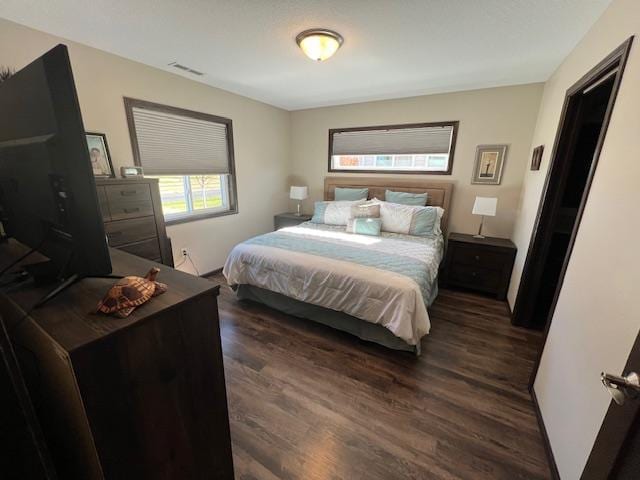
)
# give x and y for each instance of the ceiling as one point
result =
(392, 48)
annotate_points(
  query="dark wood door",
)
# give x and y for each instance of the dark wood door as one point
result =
(616, 451)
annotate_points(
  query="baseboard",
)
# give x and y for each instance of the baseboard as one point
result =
(212, 272)
(553, 467)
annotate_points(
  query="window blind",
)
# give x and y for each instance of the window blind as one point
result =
(420, 140)
(172, 144)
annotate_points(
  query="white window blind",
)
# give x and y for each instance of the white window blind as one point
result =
(420, 140)
(172, 144)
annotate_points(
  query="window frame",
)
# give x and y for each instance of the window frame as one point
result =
(130, 103)
(454, 136)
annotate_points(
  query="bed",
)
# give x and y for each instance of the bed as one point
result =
(376, 288)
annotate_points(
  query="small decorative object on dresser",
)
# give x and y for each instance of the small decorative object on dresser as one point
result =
(536, 159)
(289, 220)
(99, 154)
(298, 193)
(489, 164)
(131, 172)
(133, 219)
(482, 264)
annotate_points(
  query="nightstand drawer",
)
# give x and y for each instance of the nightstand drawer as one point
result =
(480, 257)
(475, 277)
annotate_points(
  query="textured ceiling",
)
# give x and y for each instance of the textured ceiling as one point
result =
(392, 48)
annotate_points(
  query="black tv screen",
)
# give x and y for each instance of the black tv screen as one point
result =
(48, 197)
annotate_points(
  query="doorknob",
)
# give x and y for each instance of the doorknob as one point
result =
(621, 388)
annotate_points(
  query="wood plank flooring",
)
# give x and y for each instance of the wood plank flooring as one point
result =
(308, 402)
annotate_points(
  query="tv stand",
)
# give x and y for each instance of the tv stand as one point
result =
(115, 395)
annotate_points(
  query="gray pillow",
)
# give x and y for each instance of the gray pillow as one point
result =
(351, 193)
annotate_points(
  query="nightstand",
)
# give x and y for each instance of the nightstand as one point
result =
(482, 264)
(289, 220)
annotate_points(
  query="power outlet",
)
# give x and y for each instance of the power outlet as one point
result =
(184, 252)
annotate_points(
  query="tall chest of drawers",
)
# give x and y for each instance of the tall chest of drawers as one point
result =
(133, 219)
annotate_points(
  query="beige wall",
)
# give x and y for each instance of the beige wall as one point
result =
(598, 315)
(261, 134)
(495, 115)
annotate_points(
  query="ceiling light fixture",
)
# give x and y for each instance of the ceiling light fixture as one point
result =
(319, 43)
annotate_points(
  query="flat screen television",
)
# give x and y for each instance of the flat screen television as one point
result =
(48, 198)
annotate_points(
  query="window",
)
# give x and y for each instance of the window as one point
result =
(414, 148)
(190, 153)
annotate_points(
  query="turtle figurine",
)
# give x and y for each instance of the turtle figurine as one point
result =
(131, 292)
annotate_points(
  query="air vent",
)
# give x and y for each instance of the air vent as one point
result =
(185, 68)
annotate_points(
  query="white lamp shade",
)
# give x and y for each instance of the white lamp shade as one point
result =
(485, 206)
(298, 193)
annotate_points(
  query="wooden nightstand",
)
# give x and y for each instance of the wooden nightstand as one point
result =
(482, 264)
(289, 220)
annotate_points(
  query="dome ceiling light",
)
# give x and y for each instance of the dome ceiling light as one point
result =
(319, 43)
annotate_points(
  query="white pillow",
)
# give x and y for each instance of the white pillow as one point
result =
(334, 213)
(410, 219)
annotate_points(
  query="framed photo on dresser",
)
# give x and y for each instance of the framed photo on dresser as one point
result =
(99, 155)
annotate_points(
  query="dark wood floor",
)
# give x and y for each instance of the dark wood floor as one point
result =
(308, 402)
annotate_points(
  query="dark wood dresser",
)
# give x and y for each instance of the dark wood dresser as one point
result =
(136, 398)
(482, 264)
(133, 219)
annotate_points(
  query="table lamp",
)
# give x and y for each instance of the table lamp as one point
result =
(485, 206)
(298, 193)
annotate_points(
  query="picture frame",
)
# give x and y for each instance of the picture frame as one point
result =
(536, 158)
(99, 155)
(489, 164)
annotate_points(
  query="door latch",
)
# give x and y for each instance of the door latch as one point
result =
(621, 387)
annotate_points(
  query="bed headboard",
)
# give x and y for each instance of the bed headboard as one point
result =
(439, 191)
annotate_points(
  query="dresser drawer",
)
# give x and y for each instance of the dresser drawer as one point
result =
(130, 231)
(129, 201)
(475, 277)
(147, 249)
(480, 257)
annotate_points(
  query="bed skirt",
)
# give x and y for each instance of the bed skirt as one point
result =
(340, 321)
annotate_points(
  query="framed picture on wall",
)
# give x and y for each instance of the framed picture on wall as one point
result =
(489, 164)
(536, 159)
(99, 155)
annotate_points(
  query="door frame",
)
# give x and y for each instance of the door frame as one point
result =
(549, 203)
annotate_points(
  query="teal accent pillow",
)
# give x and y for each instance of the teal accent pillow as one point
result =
(405, 198)
(364, 226)
(351, 193)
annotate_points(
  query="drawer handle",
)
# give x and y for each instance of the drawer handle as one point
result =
(131, 210)
(127, 193)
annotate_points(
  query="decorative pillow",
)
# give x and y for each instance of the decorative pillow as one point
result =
(365, 210)
(351, 193)
(405, 198)
(409, 219)
(333, 213)
(364, 226)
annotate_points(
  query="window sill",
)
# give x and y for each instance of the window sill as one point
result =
(200, 216)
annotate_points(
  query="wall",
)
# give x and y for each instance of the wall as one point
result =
(597, 316)
(496, 115)
(261, 134)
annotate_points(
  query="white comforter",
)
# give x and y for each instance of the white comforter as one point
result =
(385, 280)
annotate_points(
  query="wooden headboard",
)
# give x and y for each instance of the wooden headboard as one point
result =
(439, 192)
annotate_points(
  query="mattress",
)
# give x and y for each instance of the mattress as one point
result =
(387, 280)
